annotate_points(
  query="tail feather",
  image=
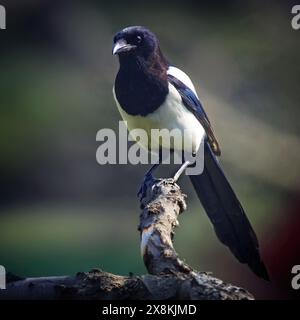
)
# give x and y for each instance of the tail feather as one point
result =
(227, 215)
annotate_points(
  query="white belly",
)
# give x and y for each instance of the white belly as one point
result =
(172, 114)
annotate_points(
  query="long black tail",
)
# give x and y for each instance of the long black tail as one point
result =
(227, 215)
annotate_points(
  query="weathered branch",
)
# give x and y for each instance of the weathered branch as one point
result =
(170, 278)
(162, 202)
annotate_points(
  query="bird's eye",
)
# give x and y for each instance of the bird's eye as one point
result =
(138, 39)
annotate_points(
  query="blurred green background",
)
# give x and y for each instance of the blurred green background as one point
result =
(61, 212)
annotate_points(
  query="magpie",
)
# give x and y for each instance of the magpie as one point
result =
(151, 93)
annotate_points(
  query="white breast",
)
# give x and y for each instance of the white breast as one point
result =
(172, 114)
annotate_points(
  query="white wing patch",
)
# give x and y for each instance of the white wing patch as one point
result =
(183, 77)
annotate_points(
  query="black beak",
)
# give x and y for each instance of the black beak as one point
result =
(122, 46)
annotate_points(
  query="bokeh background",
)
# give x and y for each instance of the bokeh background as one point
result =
(61, 212)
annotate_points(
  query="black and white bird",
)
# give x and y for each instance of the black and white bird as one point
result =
(150, 93)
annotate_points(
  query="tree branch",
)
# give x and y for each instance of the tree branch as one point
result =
(170, 278)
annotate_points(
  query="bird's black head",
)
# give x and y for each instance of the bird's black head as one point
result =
(141, 84)
(135, 41)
